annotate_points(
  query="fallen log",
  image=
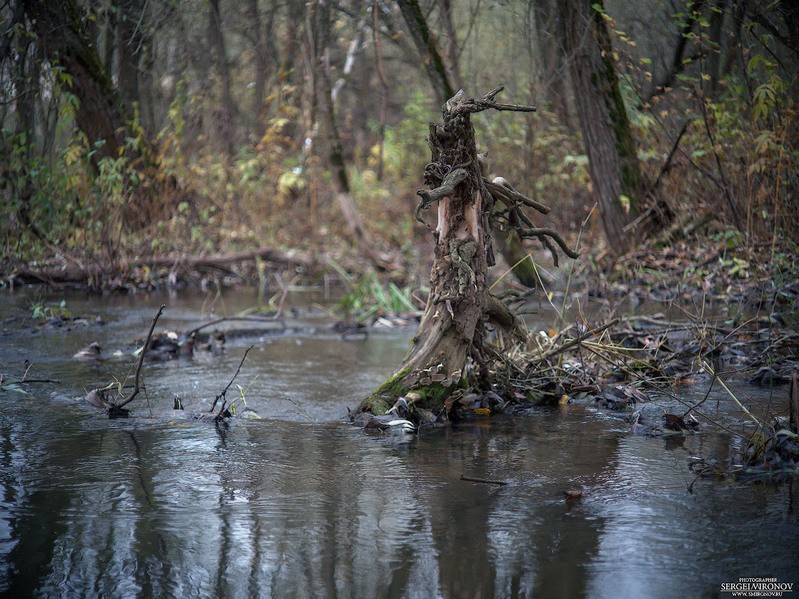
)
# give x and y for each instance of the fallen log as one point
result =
(95, 273)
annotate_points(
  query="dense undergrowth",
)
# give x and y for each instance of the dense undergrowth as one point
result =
(733, 171)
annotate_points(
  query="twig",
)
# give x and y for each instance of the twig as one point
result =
(703, 400)
(558, 350)
(136, 386)
(709, 368)
(667, 165)
(483, 480)
(225, 390)
(725, 187)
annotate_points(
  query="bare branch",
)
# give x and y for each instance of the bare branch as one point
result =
(457, 105)
(136, 386)
(225, 390)
(447, 188)
(577, 340)
(502, 190)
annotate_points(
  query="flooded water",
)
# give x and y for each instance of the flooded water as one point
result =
(300, 504)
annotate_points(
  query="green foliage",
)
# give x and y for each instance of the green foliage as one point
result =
(59, 197)
(404, 149)
(41, 311)
(369, 297)
(233, 407)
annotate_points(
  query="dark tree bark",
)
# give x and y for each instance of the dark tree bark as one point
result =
(222, 115)
(129, 44)
(717, 11)
(613, 161)
(459, 306)
(552, 69)
(260, 34)
(64, 40)
(25, 73)
(428, 49)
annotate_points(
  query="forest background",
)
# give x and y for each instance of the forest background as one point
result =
(142, 130)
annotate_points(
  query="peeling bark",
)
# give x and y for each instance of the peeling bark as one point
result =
(459, 307)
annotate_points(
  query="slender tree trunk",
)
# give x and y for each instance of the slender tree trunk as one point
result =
(223, 132)
(551, 68)
(613, 162)
(717, 11)
(451, 51)
(26, 73)
(129, 44)
(259, 34)
(320, 22)
(426, 45)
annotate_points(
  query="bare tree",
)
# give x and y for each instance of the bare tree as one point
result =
(319, 21)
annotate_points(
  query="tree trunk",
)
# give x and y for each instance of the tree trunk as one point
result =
(457, 300)
(129, 44)
(320, 20)
(613, 161)
(263, 46)
(550, 64)
(718, 9)
(223, 132)
(445, 8)
(459, 305)
(26, 72)
(428, 50)
(100, 114)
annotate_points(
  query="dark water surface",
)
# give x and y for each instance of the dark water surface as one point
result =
(300, 504)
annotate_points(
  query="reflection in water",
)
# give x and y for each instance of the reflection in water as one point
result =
(269, 508)
(162, 505)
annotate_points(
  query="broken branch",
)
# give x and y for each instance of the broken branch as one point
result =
(136, 386)
(579, 339)
(447, 188)
(503, 191)
(457, 105)
(225, 390)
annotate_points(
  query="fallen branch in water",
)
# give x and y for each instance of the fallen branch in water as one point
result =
(486, 481)
(116, 409)
(276, 318)
(9, 381)
(221, 414)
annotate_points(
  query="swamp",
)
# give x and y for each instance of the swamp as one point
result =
(408, 298)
